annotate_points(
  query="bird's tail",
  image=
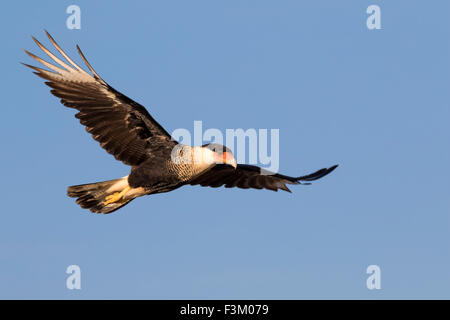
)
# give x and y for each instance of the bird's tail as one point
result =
(93, 196)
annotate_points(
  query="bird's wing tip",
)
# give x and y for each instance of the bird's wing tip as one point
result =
(332, 168)
(318, 174)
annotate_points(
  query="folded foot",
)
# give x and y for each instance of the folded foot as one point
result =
(115, 196)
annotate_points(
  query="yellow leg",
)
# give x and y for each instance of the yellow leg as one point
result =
(116, 196)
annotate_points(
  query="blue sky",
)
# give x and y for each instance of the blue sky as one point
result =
(374, 101)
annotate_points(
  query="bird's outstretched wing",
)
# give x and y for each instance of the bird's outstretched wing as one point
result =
(123, 127)
(246, 176)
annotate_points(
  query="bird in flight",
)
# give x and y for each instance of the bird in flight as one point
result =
(125, 129)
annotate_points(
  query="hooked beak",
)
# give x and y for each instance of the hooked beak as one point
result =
(228, 158)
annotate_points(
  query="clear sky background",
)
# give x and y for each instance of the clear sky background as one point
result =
(374, 101)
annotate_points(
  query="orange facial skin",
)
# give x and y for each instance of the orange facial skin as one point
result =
(226, 158)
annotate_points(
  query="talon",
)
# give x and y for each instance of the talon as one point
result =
(111, 196)
(116, 196)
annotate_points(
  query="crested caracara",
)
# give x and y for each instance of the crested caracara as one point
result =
(126, 130)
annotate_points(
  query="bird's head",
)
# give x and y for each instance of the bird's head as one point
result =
(219, 154)
(203, 156)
